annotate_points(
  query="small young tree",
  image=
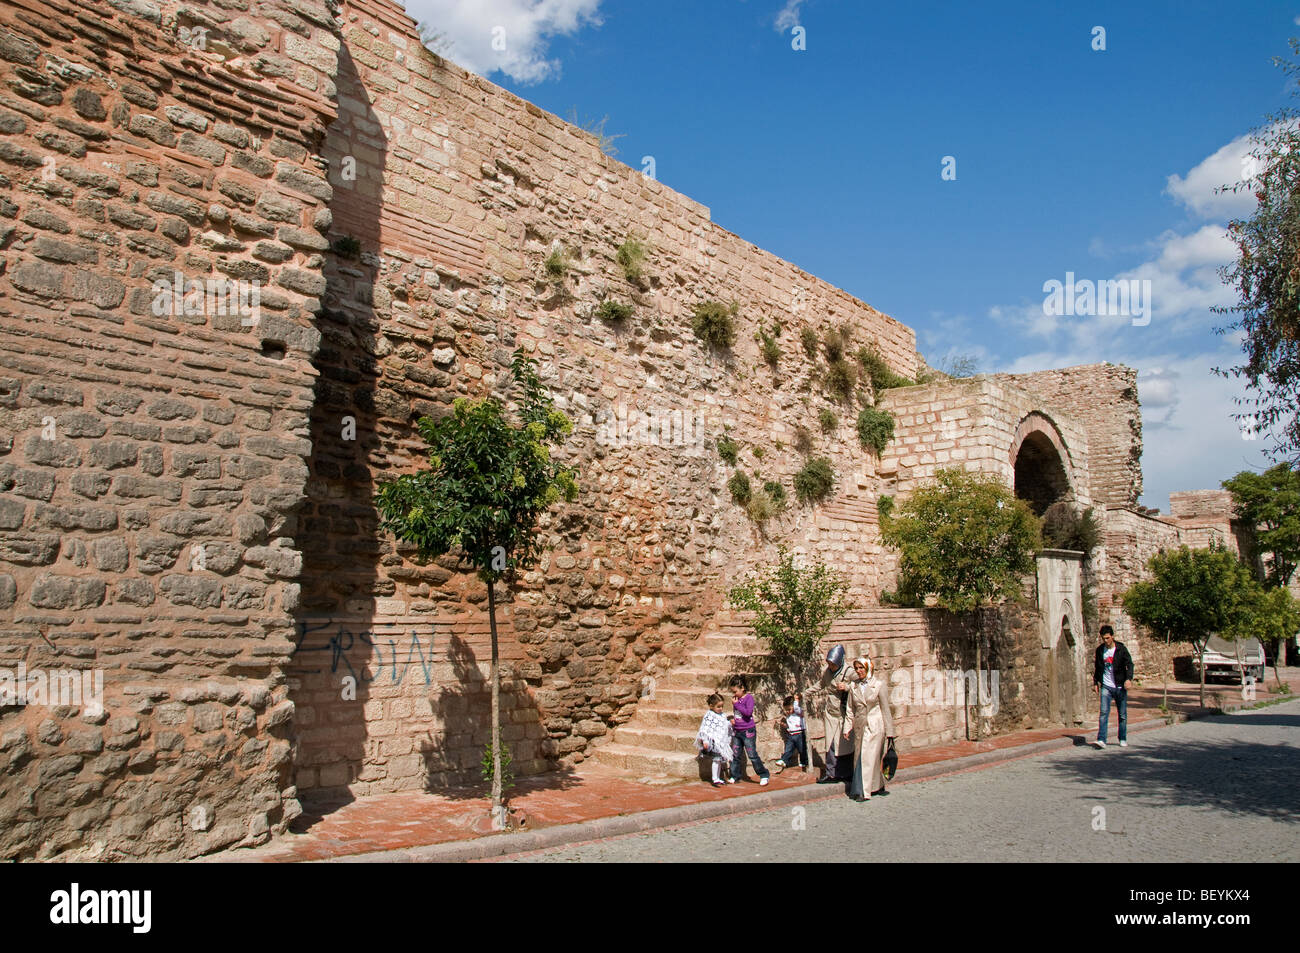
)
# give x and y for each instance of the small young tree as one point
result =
(1192, 594)
(966, 540)
(793, 608)
(489, 481)
(1270, 614)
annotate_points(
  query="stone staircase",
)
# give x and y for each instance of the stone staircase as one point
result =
(659, 739)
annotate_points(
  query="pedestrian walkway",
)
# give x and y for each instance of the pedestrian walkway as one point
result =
(595, 792)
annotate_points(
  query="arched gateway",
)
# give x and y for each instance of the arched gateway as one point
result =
(1040, 461)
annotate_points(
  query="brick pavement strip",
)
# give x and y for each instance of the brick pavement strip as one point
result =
(1215, 789)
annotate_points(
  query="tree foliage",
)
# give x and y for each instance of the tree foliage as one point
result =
(1066, 527)
(793, 605)
(488, 481)
(965, 539)
(1269, 503)
(1193, 594)
(1266, 275)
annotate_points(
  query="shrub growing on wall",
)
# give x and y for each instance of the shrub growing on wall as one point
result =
(875, 429)
(739, 488)
(615, 312)
(840, 380)
(727, 449)
(827, 419)
(808, 338)
(1065, 527)
(874, 367)
(803, 439)
(712, 323)
(814, 482)
(631, 258)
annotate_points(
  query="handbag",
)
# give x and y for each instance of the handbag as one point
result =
(890, 763)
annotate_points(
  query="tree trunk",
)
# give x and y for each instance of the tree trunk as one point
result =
(498, 809)
(1168, 663)
(973, 725)
(1201, 655)
(1279, 654)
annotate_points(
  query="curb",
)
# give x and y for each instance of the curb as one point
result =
(564, 835)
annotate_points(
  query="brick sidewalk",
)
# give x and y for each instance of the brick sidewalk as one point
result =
(418, 819)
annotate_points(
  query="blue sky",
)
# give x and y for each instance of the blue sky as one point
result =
(1068, 159)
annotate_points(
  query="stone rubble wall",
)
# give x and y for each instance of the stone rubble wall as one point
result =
(151, 462)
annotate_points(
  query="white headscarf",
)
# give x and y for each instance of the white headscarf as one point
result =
(866, 663)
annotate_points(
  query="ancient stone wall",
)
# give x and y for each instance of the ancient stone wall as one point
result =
(154, 432)
(449, 196)
(1103, 400)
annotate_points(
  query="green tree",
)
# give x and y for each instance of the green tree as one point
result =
(1266, 276)
(489, 481)
(1193, 594)
(1269, 503)
(966, 540)
(1271, 615)
(793, 608)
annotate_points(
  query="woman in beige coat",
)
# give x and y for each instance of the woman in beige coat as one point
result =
(868, 722)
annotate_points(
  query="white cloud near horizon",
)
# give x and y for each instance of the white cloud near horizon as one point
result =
(523, 27)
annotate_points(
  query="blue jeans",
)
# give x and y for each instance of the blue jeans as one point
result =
(796, 744)
(1121, 704)
(742, 743)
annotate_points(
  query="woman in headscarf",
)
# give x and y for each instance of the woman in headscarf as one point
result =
(868, 722)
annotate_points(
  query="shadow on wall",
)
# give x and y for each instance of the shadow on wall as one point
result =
(337, 527)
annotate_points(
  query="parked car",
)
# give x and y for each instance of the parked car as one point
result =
(1221, 659)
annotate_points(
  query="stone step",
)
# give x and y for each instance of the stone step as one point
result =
(689, 699)
(651, 716)
(656, 738)
(711, 679)
(643, 762)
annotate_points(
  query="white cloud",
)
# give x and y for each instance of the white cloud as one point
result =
(507, 35)
(788, 17)
(1227, 166)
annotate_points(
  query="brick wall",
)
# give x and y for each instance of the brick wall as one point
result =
(150, 461)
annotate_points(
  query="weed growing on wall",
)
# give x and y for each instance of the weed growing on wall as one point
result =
(814, 482)
(739, 487)
(840, 380)
(768, 345)
(727, 449)
(631, 258)
(712, 323)
(879, 372)
(615, 312)
(803, 442)
(808, 338)
(875, 429)
(826, 417)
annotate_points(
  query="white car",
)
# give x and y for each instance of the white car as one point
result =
(1221, 658)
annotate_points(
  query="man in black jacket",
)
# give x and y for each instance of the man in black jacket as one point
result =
(1112, 677)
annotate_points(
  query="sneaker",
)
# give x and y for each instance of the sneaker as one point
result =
(731, 780)
(1099, 743)
(1123, 744)
(762, 782)
(780, 766)
(717, 784)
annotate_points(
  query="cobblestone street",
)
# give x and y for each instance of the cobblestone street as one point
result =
(1217, 789)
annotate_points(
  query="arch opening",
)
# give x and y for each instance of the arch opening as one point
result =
(1040, 477)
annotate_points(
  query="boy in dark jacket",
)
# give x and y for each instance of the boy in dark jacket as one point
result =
(1112, 677)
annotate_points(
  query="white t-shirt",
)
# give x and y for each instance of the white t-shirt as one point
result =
(1108, 668)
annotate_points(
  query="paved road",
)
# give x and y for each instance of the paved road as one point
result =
(1217, 789)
